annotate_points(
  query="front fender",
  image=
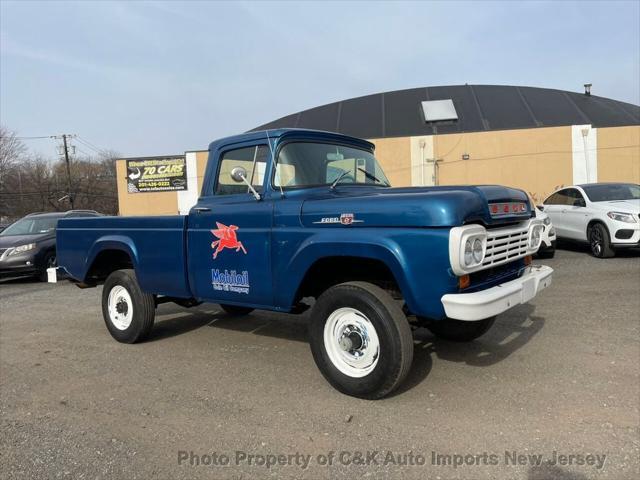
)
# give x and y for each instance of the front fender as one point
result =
(418, 259)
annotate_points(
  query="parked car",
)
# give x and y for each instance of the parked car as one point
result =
(28, 246)
(548, 245)
(275, 225)
(606, 215)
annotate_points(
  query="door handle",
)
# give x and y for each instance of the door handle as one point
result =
(202, 209)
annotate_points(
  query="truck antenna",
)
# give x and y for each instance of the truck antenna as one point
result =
(275, 163)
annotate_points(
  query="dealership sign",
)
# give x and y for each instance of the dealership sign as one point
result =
(156, 174)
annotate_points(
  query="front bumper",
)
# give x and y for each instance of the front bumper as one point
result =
(495, 300)
(18, 265)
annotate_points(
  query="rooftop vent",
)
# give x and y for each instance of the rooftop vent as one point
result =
(439, 110)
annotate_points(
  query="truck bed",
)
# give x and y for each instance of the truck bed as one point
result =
(156, 246)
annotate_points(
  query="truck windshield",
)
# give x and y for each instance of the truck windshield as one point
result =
(31, 226)
(305, 164)
(612, 191)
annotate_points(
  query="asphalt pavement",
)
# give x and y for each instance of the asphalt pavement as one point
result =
(551, 392)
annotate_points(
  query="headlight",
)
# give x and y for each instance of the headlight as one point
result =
(467, 247)
(547, 221)
(468, 254)
(478, 251)
(621, 217)
(535, 236)
(22, 248)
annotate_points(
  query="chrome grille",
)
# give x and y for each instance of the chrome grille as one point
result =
(505, 245)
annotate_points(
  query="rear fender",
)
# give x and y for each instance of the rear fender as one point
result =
(112, 242)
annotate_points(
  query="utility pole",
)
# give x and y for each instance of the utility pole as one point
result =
(65, 146)
(66, 159)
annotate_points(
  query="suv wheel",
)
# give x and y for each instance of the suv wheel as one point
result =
(49, 261)
(600, 242)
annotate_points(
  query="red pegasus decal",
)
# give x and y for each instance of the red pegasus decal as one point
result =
(227, 239)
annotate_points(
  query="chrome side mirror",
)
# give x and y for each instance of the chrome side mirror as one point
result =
(238, 174)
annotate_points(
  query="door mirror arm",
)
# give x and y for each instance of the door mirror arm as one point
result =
(239, 174)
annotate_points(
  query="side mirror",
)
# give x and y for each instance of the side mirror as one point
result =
(238, 174)
(580, 203)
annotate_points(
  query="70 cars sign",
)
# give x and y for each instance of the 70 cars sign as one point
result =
(156, 174)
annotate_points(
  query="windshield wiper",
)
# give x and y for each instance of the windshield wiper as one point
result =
(340, 177)
(371, 176)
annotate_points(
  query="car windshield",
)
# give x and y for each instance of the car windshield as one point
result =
(615, 191)
(31, 226)
(303, 164)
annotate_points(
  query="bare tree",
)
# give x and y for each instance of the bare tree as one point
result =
(11, 149)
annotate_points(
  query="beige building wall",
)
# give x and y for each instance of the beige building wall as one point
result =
(201, 162)
(535, 160)
(619, 154)
(394, 155)
(149, 203)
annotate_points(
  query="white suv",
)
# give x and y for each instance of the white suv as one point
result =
(606, 215)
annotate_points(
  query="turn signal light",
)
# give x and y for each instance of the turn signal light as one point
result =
(527, 260)
(464, 281)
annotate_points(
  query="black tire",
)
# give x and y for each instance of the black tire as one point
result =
(142, 306)
(459, 330)
(548, 253)
(48, 261)
(384, 314)
(236, 311)
(599, 241)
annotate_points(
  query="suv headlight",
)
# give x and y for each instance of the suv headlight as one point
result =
(467, 248)
(621, 217)
(535, 236)
(22, 248)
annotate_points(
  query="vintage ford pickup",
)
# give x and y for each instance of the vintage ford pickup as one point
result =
(291, 218)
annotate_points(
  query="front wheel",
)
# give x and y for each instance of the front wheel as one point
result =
(459, 330)
(128, 311)
(600, 242)
(49, 261)
(360, 340)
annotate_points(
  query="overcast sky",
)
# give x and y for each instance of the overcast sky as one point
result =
(153, 78)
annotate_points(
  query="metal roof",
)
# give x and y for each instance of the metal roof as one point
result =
(479, 108)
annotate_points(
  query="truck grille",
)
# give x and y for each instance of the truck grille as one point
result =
(505, 245)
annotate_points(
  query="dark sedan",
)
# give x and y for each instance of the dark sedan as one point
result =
(28, 246)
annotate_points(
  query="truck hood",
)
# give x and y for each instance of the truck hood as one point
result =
(360, 206)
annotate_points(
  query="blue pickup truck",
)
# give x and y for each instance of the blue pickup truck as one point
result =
(293, 219)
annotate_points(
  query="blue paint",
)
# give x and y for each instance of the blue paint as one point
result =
(274, 241)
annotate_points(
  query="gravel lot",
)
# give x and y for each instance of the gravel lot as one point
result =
(560, 374)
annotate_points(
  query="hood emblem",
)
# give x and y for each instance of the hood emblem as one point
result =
(344, 219)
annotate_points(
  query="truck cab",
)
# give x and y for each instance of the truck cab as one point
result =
(294, 219)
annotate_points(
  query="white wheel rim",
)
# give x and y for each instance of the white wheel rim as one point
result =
(120, 307)
(351, 342)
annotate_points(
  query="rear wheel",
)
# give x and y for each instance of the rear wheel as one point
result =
(600, 242)
(128, 311)
(236, 311)
(361, 340)
(459, 330)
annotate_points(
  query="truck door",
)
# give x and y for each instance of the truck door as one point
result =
(229, 234)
